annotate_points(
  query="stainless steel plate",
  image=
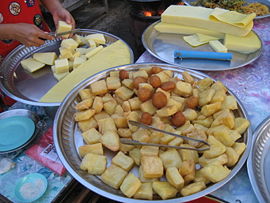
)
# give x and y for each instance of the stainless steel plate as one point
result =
(26, 113)
(67, 139)
(265, 2)
(163, 45)
(28, 87)
(258, 163)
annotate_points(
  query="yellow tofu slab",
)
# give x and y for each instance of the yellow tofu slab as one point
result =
(218, 46)
(47, 57)
(63, 27)
(199, 17)
(185, 29)
(31, 65)
(93, 51)
(114, 55)
(98, 38)
(69, 44)
(61, 66)
(60, 76)
(247, 44)
(192, 40)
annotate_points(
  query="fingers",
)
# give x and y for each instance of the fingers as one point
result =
(45, 36)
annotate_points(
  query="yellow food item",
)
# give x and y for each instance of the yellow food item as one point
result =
(61, 66)
(185, 29)
(232, 17)
(247, 44)
(45, 57)
(218, 46)
(93, 51)
(199, 17)
(63, 27)
(69, 44)
(192, 40)
(130, 185)
(98, 38)
(206, 38)
(95, 164)
(31, 65)
(60, 76)
(114, 55)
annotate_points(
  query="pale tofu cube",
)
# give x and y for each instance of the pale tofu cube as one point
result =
(113, 83)
(143, 179)
(163, 76)
(61, 66)
(128, 83)
(84, 104)
(215, 172)
(233, 156)
(98, 38)
(205, 97)
(187, 77)
(170, 158)
(98, 104)
(190, 114)
(119, 110)
(229, 103)
(120, 121)
(210, 109)
(193, 188)
(135, 154)
(85, 94)
(124, 132)
(101, 115)
(95, 164)
(109, 107)
(174, 178)
(225, 117)
(31, 65)
(164, 189)
(65, 53)
(84, 115)
(110, 139)
(93, 148)
(152, 166)
(124, 93)
(91, 136)
(78, 61)
(130, 185)
(149, 151)
(126, 148)
(141, 135)
(81, 50)
(239, 147)
(70, 44)
(144, 192)
(133, 116)
(78, 39)
(63, 27)
(87, 124)
(167, 111)
(91, 43)
(183, 89)
(99, 87)
(204, 83)
(123, 161)
(106, 124)
(93, 51)
(45, 57)
(241, 124)
(113, 176)
(188, 154)
(60, 76)
(148, 107)
(135, 103)
(216, 148)
(222, 159)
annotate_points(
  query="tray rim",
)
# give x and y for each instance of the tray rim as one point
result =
(58, 121)
(254, 179)
(32, 50)
(145, 44)
(256, 18)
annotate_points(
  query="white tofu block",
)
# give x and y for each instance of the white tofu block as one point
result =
(31, 64)
(91, 43)
(93, 51)
(78, 61)
(60, 76)
(65, 53)
(81, 50)
(218, 46)
(47, 57)
(63, 27)
(78, 39)
(69, 44)
(98, 38)
(61, 66)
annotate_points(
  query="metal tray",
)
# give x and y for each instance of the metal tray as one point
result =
(163, 45)
(259, 162)
(22, 112)
(67, 138)
(265, 2)
(28, 87)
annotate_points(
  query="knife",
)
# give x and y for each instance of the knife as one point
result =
(54, 34)
(202, 55)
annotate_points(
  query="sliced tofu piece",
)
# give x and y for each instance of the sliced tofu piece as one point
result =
(70, 44)
(61, 66)
(98, 38)
(218, 46)
(91, 43)
(78, 61)
(31, 64)
(63, 27)
(65, 53)
(47, 57)
(60, 76)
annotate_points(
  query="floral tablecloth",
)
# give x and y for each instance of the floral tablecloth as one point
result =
(251, 84)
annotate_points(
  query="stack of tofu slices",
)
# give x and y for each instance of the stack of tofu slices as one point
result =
(205, 25)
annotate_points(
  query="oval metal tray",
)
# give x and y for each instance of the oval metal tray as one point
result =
(67, 139)
(259, 162)
(163, 45)
(26, 113)
(265, 2)
(28, 87)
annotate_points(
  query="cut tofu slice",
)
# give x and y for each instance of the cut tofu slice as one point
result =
(69, 44)
(61, 66)
(193, 40)
(98, 38)
(60, 76)
(218, 46)
(91, 43)
(78, 61)
(94, 51)
(63, 27)
(31, 64)
(46, 57)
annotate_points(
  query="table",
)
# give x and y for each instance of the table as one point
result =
(251, 84)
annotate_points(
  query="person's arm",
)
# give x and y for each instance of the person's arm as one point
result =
(27, 34)
(58, 12)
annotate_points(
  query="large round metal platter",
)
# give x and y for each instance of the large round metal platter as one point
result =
(28, 87)
(265, 2)
(21, 113)
(259, 162)
(163, 45)
(67, 139)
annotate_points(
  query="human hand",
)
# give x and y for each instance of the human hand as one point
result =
(62, 14)
(28, 34)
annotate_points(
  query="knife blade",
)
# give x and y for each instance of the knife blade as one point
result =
(54, 34)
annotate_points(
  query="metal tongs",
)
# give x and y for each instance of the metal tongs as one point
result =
(142, 125)
(54, 34)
